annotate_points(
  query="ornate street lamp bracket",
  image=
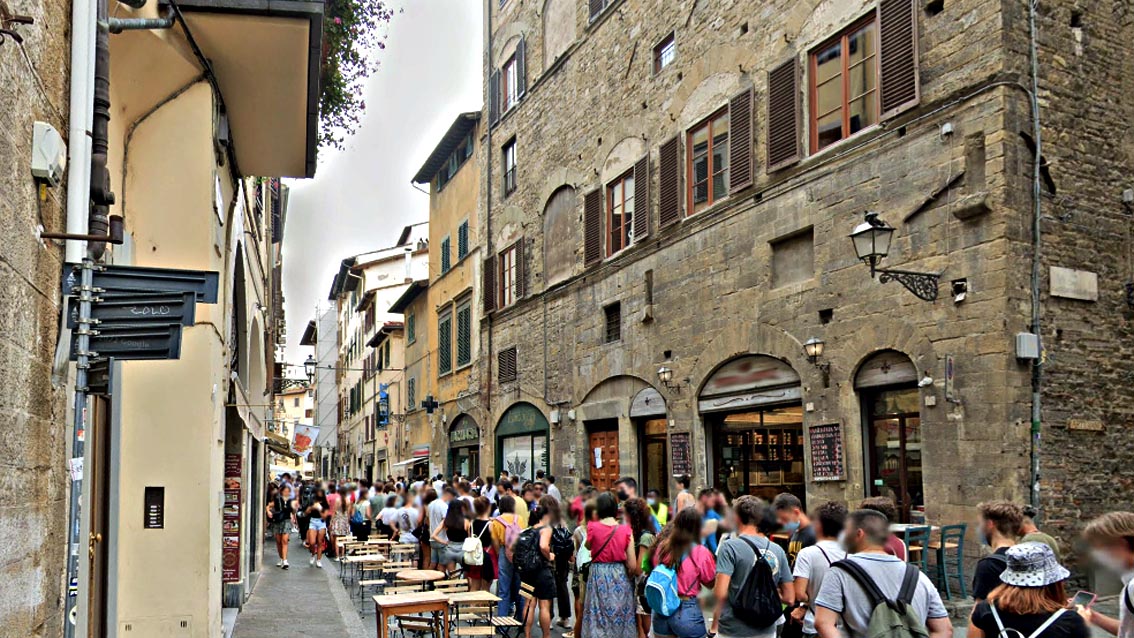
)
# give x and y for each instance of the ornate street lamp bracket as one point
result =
(922, 285)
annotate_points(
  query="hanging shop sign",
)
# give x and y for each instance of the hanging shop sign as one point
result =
(203, 284)
(826, 452)
(127, 342)
(179, 308)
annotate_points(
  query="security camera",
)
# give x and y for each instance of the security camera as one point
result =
(49, 154)
(925, 382)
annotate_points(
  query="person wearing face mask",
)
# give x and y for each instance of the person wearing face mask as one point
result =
(790, 514)
(842, 597)
(1111, 537)
(999, 525)
(657, 507)
(626, 488)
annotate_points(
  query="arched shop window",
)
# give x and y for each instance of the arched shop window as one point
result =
(521, 441)
(886, 384)
(464, 447)
(753, 415)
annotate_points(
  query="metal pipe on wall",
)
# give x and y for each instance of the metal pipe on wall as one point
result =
(83, 27)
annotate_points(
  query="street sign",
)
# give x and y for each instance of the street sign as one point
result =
(127, 342)
(139, 308)
(203, 284)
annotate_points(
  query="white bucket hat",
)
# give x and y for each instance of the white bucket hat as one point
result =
(1032, 565)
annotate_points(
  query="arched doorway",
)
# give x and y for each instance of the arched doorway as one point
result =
(753, 416)
(886, 384)
(464, 447)
(521, 441)
(647, 410)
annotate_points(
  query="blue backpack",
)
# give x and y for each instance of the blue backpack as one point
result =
(661, 589)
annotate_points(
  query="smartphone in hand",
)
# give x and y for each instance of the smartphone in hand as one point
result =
(1083, 598)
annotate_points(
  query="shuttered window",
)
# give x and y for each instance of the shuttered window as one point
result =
(612, 326)
(488, 289)
(464, 333)
(596, 7)
(642, 198)
(898, 56)
(446, 262)
(784, 121)
(445, 343)
(506, 365)
(411, 394)
(707, 148)
(509, 165)
(494, 97)
(669, 182)
(411, 327)
(463, 240)
(619, 213)
(740, 140)
(510, 275)
(592, 228)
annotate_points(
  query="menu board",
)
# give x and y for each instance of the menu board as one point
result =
(230, 523)
(681, 454)
(826, 452)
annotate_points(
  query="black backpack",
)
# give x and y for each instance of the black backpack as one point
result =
(306, 497)
(526, 557)
(561, 542)
(757, 602)
(280, 512)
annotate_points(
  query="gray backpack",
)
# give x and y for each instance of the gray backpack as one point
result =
(890, 618)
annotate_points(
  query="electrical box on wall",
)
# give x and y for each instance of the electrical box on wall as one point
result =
(49, 154)
(1027, 346)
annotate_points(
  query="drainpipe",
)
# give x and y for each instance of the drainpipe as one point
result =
(100, 194)
(1037, 254)
(488, 224)
(82, 96)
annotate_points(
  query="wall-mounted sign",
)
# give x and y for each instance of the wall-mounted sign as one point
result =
(681, 454)
(826, 452)
(155, 508)
(1074, 284)
(464, 432)
(950, 393)
(230, 515)
(1086, 425)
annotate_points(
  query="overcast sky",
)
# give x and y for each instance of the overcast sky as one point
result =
(361, 197)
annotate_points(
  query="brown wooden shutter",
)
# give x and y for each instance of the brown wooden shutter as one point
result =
(494, 97)
(642, 198)
(521, 67)
(521, 270)
(784, 115)
(489, 277)
(897, 55)
(740, 141)
(592, 227)
(669, 182)
(506, 365)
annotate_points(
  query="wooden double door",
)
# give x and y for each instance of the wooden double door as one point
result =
(603, 452)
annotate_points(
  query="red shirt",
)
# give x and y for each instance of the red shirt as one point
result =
(895, 547)
(615, 550)
(698, 568)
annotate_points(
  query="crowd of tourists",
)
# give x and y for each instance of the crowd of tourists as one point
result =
(612, 564)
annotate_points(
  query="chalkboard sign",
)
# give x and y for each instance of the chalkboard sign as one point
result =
(826, 452)
(681, 455)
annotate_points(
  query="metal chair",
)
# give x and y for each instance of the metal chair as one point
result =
(917, 544)
(951, 558)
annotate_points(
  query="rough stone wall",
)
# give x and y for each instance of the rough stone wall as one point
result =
(1088, 145)
(712, 287)
(33, 414)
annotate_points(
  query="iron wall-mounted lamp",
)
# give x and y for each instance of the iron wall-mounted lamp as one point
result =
(813, 348)
(665, 375)
(872, 243)
(309, 368)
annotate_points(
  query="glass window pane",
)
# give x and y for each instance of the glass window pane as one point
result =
(830, 128)
(862, 112)
(862, 77)
(828, 63)
(628, 185)
(860, 44)
(829, 96)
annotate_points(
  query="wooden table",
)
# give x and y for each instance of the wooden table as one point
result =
(420, 575)
(483, 596)
(898, 528)
(415, 603)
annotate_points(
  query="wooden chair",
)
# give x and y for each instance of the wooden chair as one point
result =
(472, 619)
(414, 625)
(917, 544)
(452, 585)
(370, 575)
(950, 550)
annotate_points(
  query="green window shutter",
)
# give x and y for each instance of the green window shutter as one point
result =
(445, 260)
(444, 344)
(464, 335)
(463, 240)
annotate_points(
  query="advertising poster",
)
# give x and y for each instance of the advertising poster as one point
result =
(230, 525)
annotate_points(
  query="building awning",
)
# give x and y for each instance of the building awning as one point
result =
(266, 55)
(409, 462)
(281, 448)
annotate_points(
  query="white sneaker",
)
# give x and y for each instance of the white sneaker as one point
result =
(312, 561)
(281, 563)
(285, 565)
(319, 564)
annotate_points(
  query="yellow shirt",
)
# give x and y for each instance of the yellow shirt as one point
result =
(498, 528)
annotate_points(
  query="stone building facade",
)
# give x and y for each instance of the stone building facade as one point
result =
(33, 407)
(724, 274)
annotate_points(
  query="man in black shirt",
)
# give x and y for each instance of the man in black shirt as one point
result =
(999, 526)
(790, 514)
